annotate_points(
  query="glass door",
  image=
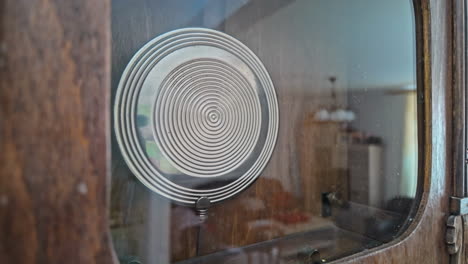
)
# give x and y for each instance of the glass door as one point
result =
(283, 131)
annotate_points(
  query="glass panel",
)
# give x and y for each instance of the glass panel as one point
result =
(342, 176)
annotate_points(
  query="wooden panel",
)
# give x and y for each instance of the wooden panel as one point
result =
(53, 103)
(54, 90)
(459, 91)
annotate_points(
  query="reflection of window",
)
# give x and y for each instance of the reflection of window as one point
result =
(152, 150)
(410, 147)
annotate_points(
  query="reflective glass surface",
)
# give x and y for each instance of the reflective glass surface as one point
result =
(297, 119)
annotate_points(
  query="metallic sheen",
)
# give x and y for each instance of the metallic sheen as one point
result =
(196, 107)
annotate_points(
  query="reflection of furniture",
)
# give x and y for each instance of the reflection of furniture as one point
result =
(364, 163)
(323, 163)
(326, 239)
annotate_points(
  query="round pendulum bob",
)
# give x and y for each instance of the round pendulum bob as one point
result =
(196, 116)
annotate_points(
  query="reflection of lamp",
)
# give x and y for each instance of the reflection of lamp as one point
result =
(335, 113)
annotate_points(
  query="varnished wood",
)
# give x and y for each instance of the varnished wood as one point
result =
(54, 116)
(54, 91)
(459, 91)
(460, 120)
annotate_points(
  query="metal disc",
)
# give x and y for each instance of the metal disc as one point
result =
(196, 115)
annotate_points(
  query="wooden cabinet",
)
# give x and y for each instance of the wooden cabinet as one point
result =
(55, 73)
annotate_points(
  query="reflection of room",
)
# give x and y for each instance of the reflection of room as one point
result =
(340, 184)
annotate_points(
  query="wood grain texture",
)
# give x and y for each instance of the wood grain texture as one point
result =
(54, 79)
(459, 91)
(54, 67)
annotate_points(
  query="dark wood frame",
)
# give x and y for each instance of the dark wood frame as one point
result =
(459, 91)
(54, 133)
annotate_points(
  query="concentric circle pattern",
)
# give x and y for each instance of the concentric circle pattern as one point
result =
(196, 115)
(213, 115)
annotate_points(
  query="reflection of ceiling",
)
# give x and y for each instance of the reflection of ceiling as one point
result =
(367, 44)
(372, 39)
(381, 51)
